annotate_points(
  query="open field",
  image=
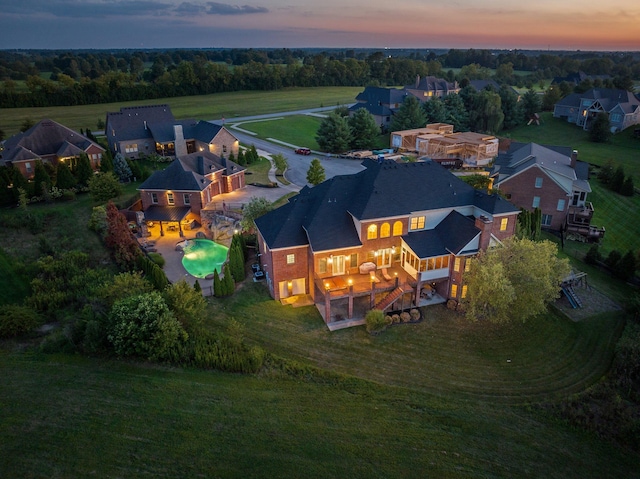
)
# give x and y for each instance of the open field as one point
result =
(205, 107)
(299, 130)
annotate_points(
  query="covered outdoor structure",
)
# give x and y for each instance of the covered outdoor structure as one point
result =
(169, 215)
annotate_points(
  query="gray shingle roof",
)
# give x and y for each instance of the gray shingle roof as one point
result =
(131, 123)
(323, 216)
(450, 236)
(609, 98)
(45, 138)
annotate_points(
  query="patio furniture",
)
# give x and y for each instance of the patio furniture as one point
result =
(385, 274)
(367, 267)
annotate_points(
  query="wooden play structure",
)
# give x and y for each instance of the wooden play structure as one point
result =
(437, 140)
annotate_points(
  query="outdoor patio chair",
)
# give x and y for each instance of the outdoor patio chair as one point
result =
(385, 274)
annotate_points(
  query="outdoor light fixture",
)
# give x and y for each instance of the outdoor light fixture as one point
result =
(350, 281)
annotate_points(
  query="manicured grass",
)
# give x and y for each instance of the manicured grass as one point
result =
(259, 171)
(298, 130)
(444, 355)
(620, 215)
(205, 107)
(67, 416)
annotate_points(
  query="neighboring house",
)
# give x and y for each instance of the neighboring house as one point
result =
(49, 142)
(416, 219)
(147, 130)
(578, 77)
(178, 193)
(380, 102)
(438, 141)
(550, 178)
(428, 87)
(490, 84)
(622, 107)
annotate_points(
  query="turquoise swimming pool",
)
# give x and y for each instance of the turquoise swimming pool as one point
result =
(202, 257)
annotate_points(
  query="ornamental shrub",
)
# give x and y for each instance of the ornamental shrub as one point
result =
(376, 321)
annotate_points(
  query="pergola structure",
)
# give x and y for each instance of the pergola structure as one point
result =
(167, 214)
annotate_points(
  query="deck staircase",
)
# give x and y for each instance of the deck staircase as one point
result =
(391, 298)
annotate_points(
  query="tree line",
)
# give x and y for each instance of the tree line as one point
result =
(63, 78)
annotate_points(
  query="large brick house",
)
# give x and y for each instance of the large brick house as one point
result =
(550, 178)
(49, 142)
(415, 219)
(621, 106)
(146, 130)
(177, 194)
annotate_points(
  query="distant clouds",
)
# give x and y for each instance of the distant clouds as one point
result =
(102, 8)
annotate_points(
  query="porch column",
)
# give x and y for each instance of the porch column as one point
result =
(180, 229)
(418, 291)
(373, 293)
(161, 230)
(350, 313)
(327, 306)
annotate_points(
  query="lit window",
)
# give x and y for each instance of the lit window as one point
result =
(385, 230)
(372, 232)
(397, 228)
(170, 198)
(467, 265)
(322, 265)
(187, 199)
(454, 290)
(354, 261)
(536, 202)
(417, 223)
(456, 265)
(503, 224)
(463, 293)
(154, 198)
(538, 182)
(561, 204)
(291, 258)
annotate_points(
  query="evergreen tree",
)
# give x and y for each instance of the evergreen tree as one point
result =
(627, 187)
(242, 159)
(106, 163)
(531, 104)
(334, 135)
(617, 179)
(236, 262)
(20, 182)
(217, 285)
(83, 171)
(136, 171)
(456, 113)
(408, 116)
(435, 111)
(253, 155)
(121, 168)
(315, 174)
(626, 267)
(364, 131)
(228, 285)
(41, 180)
(64, 177)
(197, 287)
(512, 114)
(600, 131)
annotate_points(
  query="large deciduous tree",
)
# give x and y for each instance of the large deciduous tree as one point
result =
(334, 135)
(364, 130)
(252, 210)
(144, 326)
(514, 281)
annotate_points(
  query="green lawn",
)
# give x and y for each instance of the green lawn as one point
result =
(203, 107)
(299, 130)
(259, 172)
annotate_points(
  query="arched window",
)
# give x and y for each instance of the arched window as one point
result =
(397, 228)
(372, 232)
(385, 230)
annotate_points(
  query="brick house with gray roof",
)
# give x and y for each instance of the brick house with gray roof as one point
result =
(152, 129)
(621, 106)
(380, 102)
(50, 142)
(178, 193)
(550, 178)
(415, 219)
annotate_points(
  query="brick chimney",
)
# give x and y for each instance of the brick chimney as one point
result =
(484, 224)
(574, 158)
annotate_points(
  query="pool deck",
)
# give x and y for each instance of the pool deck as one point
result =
(166, 246)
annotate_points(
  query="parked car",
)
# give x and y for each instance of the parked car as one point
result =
(303, 151)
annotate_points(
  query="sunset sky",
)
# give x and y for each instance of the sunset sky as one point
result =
(543, 24)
